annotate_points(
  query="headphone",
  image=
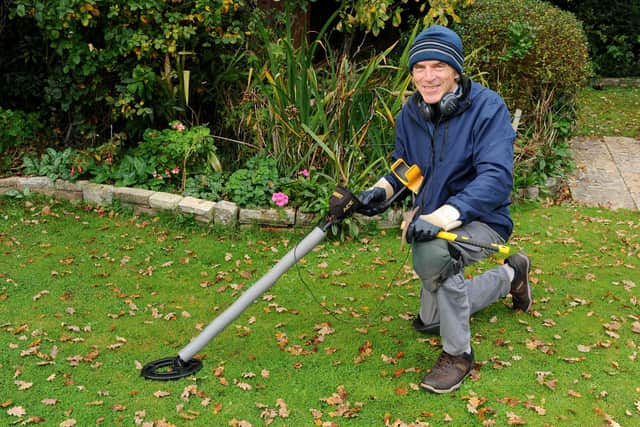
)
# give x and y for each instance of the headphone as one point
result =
(446, 106)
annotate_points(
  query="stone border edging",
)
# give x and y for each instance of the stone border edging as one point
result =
(153, 202)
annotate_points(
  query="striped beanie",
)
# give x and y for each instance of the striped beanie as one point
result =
(439, 44)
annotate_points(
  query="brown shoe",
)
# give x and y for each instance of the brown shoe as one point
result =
(520, 289)
(448, 373)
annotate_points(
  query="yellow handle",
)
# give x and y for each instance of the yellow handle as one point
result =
(452, 237)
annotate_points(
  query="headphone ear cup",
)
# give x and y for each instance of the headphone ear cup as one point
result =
(426, 110)
(448, 104)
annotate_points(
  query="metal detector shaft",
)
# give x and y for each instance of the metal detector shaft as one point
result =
(251, 294)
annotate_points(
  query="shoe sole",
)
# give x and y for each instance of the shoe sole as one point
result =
(444, 390)
(529, 296)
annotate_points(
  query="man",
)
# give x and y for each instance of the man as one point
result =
(459, 134)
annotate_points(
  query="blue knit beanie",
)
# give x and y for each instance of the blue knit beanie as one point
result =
(439, 44)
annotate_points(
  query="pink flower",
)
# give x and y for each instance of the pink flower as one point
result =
(280, 199)
(175, 170)
(304, 172)
(179, 126)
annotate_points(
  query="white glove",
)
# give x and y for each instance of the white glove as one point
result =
(388, 188)
(446, 217)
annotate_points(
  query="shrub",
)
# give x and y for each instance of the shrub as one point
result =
(17, 129)
(179, 149)
(527, 48)
(612, 30)
(97, 64)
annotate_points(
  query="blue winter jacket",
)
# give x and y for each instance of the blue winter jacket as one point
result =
(466, 158)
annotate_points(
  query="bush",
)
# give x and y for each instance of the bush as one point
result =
(612, 30)
(527, 47)
(93, 65)
(535, 55)
(17, 129)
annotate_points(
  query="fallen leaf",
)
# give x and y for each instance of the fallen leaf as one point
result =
(17, 411)
(23, 385)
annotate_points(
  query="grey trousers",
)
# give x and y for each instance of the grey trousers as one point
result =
(446, 296)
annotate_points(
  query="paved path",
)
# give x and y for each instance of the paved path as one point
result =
(607, 172)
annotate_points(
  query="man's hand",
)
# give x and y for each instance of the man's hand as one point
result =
(372, 201)
(422, 231)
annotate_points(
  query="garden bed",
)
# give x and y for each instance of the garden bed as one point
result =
(154, 202)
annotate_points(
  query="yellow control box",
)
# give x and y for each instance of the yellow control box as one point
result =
(410, 176)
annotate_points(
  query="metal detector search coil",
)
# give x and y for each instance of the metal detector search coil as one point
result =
(410, 176)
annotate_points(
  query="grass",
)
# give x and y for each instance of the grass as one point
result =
(88, 296)
(609, 112)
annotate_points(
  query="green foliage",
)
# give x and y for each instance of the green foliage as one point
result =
(309, 191)
(208, 187)
(120, 63)
(179, 150)
(527, 47)
(254, 184)
(141, 172)
(612, 30)
(521, 39)
(53, 164)
(305, 115)
(17, 129)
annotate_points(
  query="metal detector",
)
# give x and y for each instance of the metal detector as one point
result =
(342, 204)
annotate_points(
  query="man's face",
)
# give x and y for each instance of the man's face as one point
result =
(433, 79)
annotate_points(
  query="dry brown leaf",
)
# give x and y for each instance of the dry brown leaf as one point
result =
(573, 393)
(283, 410)
(23, 385)
(17, 411)
(514, 419)
(584, 348)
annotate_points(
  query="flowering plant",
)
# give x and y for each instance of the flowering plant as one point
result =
(309, 191)
(179, 150)
(280, 199)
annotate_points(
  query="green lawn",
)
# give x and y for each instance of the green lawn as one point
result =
(609, 112)
(89, 296)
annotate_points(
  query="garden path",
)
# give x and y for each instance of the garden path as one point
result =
(607, 172)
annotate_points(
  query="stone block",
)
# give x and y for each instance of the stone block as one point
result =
(305, 219)
(391, 218)
(63, 185)
(143, 210)
(165, 201)
(225, 213)
(10, 182)
(201, 209)
(35, 183)
(132, 196)
(275, 217)
(98, 194)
